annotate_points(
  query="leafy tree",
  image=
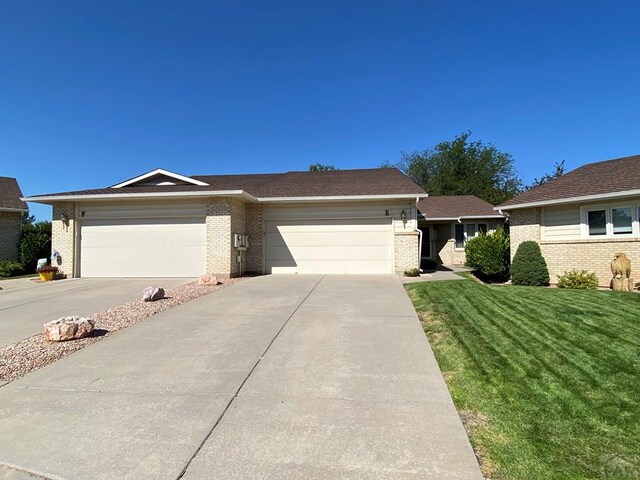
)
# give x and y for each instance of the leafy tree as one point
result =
(35, 242)
(558, 171)
(319, 167)
(461, 167)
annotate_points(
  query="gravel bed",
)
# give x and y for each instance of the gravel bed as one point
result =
(35, 352)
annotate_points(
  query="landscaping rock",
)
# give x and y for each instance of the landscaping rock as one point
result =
(68, 328)
(151, 294)
(208, 279)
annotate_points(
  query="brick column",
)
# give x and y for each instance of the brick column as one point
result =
(406, 251)
(63, 236)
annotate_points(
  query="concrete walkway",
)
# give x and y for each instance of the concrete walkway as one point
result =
(278, 377)
(26, 305)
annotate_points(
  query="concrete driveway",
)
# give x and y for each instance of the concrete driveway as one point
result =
(26, 305)
(278, 377)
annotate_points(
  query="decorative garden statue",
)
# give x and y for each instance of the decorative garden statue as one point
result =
(621, 270)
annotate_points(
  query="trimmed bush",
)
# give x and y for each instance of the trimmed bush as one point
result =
(10, 269)
(489, 254)
(578, 279)
(413, 272)
(528, 266)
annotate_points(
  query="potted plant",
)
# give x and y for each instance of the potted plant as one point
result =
(46, 272)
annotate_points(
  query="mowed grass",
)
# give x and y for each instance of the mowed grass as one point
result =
(546, 380)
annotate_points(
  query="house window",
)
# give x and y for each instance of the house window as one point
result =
(465, 231)
(597, 221)
(622, 221)
(459, 235)
(611, 221)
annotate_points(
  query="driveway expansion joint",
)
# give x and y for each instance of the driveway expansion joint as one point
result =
(260, 358)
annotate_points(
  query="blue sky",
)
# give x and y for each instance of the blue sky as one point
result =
(92, 93)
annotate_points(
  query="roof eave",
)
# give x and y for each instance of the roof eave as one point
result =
(9, 209)
(403, 196)
(462, 217)
(569, 200)
(51, 199)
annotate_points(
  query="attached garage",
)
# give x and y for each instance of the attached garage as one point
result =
(147, 242)
(329, 246)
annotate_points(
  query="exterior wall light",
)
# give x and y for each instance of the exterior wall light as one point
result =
(64, 218)
(403, 216)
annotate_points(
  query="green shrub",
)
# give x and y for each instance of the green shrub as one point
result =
(528, 266)
(10, 269)
(578, 279)
(35, 243)
(489, 254)
(413, 272)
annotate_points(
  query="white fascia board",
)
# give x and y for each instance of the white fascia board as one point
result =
(560, 201)
(411, 196)
(469, 217)
(160, 171)
(125, 196)
(6, 209)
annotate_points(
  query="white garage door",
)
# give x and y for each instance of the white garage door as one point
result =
(159, 247)
(351, 246)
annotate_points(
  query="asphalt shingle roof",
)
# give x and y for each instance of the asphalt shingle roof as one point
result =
(375, 181)
(10, 194)
(455, 206)
(610, 176)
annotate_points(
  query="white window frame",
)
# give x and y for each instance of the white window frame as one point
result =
(635, 223)
(466, 233)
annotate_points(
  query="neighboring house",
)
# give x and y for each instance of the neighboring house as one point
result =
(447, 222)
(12, 208)
(166, 224)
(582, 218)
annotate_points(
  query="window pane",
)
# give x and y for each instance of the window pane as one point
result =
(621, 219)
(597, 220)
(482, 227)
(459, 235)
(471, 230)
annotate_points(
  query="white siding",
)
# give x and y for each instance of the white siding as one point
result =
(561, 223)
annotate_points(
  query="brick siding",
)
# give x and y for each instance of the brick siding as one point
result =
(10, 223)
(406, 251)
(255, 230)
(63, 236)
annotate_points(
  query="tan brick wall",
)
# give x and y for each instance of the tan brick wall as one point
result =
(255, 230)
(448, 254)
(63, 236)
(591, 255)
(10, 223)
(238, 225)
(218, 224)
(406, 251)
(523, 225)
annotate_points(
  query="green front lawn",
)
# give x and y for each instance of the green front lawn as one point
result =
(546, 380)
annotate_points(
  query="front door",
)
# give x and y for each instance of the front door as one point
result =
(426, 243)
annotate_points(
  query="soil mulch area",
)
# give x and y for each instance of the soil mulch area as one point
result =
(35, 352)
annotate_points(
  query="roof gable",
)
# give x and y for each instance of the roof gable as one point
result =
(610, 178)
(11, 195)
(159, 176)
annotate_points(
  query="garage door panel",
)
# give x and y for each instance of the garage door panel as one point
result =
(341, 246)
(169, 247)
